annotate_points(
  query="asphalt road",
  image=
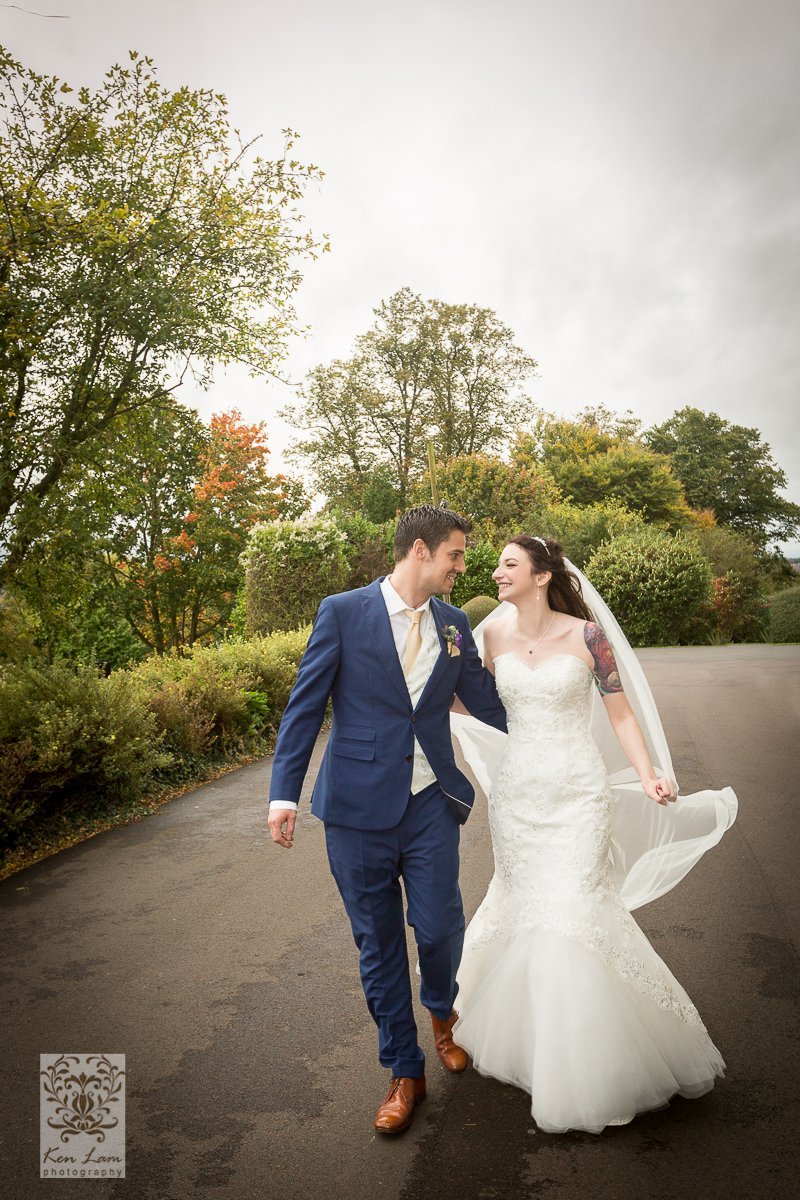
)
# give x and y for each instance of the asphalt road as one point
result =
(224, 969)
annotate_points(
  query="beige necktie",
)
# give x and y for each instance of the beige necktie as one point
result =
(414, 643)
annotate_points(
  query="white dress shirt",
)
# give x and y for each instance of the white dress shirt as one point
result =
(422, 774)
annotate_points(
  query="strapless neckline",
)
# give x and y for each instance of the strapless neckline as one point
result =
(539, 666)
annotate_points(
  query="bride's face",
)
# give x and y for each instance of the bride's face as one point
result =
(514, 576)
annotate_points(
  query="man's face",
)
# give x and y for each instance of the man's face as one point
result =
(446, 562)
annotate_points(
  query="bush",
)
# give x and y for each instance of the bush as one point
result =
(784, 610)
(581, 530)
(290, 566)
(368, 548)
(481, 563)
(738, 610)
(265, 665)
(657, 585)
(478, 608)
(71, 740)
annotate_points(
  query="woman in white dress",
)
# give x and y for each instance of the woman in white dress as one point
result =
(560, 992)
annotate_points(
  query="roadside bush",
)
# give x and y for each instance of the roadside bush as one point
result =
(657, 585)
(74, 743)
(784, 611)
(71, 739)
(265, 665)
(738, 611)
(289, 567)
(481, 562)
(478, 608)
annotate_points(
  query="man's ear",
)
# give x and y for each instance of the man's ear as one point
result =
(419, 550)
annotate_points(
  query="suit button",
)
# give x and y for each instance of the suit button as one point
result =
(409, 758)
(413, 718)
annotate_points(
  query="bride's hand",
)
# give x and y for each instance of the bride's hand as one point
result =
(660, 790)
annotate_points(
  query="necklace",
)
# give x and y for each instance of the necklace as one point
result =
(544, 635)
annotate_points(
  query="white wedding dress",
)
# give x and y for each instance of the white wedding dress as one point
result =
(560, 992)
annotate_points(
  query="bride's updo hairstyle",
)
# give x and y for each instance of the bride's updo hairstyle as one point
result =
(564, 590)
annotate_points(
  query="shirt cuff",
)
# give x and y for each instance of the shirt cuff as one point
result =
(290, 804)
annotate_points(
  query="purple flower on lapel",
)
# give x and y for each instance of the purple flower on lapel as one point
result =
(453, 638)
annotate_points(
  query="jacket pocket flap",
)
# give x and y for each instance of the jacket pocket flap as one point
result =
(353, 750)
(356, 733)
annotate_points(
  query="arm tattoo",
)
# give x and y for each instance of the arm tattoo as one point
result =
(606, 675)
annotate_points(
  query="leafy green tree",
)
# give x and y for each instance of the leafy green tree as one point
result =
(137, 242)
(425, 370)
(727, 468)
(590, 465)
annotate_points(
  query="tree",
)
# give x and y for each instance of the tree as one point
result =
(137, 242)
(729, 469)
(491, 491)
(189, 497)
(425, 370)
(340, 450)
(590, 466)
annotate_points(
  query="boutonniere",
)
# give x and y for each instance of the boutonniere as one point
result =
(453, 638)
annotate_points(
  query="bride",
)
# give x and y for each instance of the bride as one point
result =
(560, 992)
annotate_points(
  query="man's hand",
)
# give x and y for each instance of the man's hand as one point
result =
(281, 826)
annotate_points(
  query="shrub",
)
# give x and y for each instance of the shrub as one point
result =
(71, 739)
(289, 567)
(657, 585)
(266, 665)
(478, 608)
(368, 548)
(581, 530)
(738, 610)
(784, 610)
(481, 563)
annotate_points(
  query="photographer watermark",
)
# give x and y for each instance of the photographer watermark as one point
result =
(82, 1116)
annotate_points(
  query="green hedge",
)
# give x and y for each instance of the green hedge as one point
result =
(289, 567)
(657, 585)
(784, 611)
(75, 744)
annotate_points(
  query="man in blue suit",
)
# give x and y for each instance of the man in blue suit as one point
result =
(392, 657)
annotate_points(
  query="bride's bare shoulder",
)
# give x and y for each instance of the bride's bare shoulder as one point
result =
(497, 630)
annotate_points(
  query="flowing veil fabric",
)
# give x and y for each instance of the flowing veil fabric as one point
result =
(652, 846)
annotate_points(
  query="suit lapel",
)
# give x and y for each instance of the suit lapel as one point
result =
(442, 662)
(376, 616)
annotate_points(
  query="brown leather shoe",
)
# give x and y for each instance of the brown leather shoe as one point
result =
(450, 1055)
(397, 1111)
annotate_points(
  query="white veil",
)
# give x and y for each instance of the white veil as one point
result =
(652, 845)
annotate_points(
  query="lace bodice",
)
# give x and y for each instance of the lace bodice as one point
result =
(552, 699)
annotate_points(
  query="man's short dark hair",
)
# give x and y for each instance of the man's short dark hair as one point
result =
(432, 523)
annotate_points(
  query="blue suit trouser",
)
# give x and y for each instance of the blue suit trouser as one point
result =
(367, 866)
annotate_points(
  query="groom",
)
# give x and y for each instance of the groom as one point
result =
(392, 657)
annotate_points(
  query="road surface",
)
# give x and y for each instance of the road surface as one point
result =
(223, 968)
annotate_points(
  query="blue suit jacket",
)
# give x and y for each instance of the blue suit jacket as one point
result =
(365, 776)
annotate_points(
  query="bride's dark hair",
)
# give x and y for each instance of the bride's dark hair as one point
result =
(564, 593)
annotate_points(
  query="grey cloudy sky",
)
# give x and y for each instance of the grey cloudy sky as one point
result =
(618, 179)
